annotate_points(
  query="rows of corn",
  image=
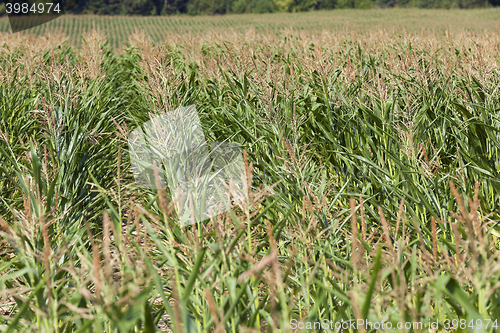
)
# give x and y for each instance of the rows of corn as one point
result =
(161, 28)
(373, 162)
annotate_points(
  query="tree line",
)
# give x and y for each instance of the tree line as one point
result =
(214, 7)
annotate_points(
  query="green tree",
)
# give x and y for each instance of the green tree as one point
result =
(137, 7)
(167, 7)
(326, 4)
(241, 6)
(284, 5)
(296, 5)
(263, 6)
(341, 4)
(209, 7)
(363, 4)
(254, 6)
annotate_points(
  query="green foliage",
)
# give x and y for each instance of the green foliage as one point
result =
(216, 7)
(363, 4)
(255, 6)
(107, 7)
(138, 7)
(211, 7)
(171, 6)
(375, 173)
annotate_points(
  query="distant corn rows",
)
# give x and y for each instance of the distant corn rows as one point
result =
(160, 29)
(374, 164)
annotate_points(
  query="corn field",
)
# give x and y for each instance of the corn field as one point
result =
(373, 166)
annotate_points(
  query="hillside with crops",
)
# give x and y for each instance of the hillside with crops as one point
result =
(118, 29)
(372, 160)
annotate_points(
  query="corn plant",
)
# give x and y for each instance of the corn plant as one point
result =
(372, 168)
